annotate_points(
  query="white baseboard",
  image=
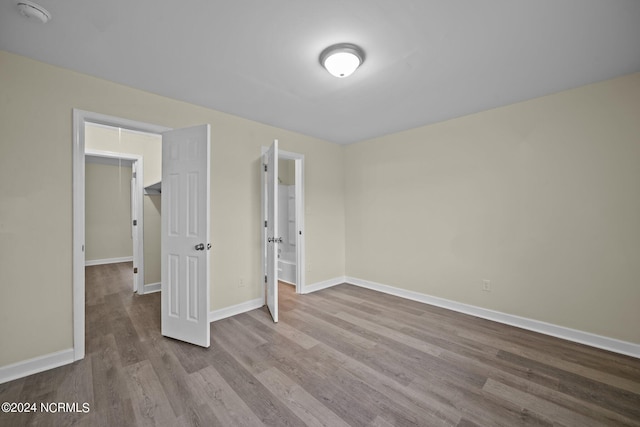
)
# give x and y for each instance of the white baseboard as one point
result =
(323, 285)
(150, 288)
(223, 313)
(587, 338)
(35, 365)
(91, 262)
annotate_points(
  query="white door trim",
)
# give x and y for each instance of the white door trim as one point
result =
(138, 230)
(300, 238)
(80, 117)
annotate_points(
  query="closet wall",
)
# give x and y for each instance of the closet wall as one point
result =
(107, 211)
(148, 146)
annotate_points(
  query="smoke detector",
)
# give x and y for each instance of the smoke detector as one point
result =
(32, 10)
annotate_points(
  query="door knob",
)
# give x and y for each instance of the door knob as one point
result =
(200, 247)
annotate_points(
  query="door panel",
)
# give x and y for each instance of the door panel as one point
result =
(137, 286)
(185, 234)
(271, 161)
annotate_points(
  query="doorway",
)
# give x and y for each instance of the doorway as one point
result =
(184, 268)
(145, 149)
(283, 237)
(114, 206)
(80, 119)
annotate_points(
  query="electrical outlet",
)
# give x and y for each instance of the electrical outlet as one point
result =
(241, 282)
(486, 285)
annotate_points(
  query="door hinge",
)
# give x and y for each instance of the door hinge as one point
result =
(265, 278)
(265, 223)
(135, 270)
(135, 222)
(265, 168)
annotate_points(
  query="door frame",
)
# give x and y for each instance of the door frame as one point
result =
(300, 231)
(137, 232)
(80, 117)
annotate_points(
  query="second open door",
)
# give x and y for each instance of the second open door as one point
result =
(271, 237)
(185, 234)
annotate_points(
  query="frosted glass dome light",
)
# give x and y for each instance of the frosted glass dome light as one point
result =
(33, 10)
(341, 60)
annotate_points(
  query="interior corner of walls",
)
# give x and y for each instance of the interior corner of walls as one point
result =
(223, 313)
(37, 364)
(150, 288)
(323, 285)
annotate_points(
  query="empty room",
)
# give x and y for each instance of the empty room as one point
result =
(362, 213)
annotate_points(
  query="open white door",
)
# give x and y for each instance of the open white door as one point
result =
(137, 286)
(272, 240)
(185, 234)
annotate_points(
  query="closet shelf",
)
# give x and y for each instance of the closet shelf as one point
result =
(153, 189)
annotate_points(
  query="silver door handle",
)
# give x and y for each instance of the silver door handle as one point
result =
(200, 247)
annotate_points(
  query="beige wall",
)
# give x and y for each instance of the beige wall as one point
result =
(149, 147)
(107, 211)
(287, 171)
(541, 197)
(36, 105)
(152, 229)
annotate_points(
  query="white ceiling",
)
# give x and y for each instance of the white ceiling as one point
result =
(427, 60)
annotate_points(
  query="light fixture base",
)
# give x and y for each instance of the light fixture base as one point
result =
(30, 9)
(342, 59)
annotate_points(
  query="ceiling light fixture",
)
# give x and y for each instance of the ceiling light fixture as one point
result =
(33, 10)
(342, 59)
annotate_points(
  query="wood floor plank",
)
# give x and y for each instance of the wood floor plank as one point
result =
(145, 317)
(111, 395)
(352, 345)
(192, 358)
(76, 388)
(172, 376)
(213, 391)
(312, 412)
(395, 335)
(473, 405)
(337, 357)
(235, 339)
(200, 416)
(430, 410)
(381, 422)
(547, 410)
(285, 330)
(263, 403)
(151, 406)
(323, 386)
(586, 388)
(534, 356)
(336, 380)
(437, 411)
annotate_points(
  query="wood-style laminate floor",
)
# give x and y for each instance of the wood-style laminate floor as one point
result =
(344, 356)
